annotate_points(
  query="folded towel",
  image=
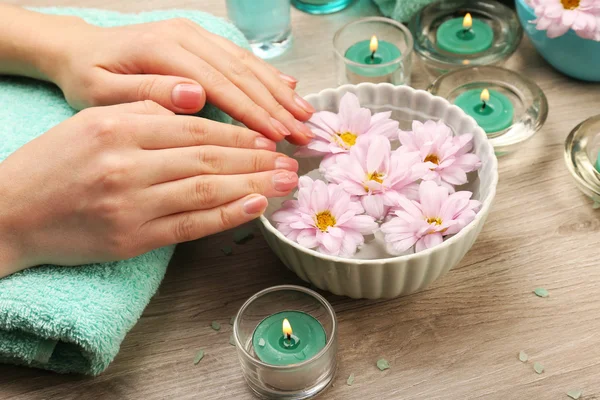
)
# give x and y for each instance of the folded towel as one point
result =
(401, 10)
(73, 319)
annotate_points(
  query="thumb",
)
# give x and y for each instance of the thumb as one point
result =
(180, 95)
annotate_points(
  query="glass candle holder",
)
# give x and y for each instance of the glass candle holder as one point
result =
(491, 22)
(265, 23)
(355, 60)
(321, 6)
(582, 156)
(524, 97)
(300, 380)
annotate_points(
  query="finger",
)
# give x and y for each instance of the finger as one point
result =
(172, 164)
(146, 108)
(209, 191)
(244, 54)
(221, 92)
(243, 77)
(180, 95)
(196, 224)
(161, 132)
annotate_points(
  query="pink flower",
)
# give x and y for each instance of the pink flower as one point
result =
(448, 156)
(427, 221)
(376, 175)
(337, 133)
(324, 217)
(556, 17)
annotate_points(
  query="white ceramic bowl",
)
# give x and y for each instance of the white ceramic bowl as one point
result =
(394, 276)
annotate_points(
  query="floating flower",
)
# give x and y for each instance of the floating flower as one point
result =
(324, 217)
(424, 223)
(376, 175)
(338, 133)
(448, 156)
(556, 17)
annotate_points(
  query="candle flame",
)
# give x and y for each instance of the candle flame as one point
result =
(468, 21)
(485, 95)
(287, 328)
(374, 44)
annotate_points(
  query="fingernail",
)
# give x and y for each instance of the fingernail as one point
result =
(255, 204)
(285, 181)
(288, 78)
(264, 144)
(279, 127)
(286, 163)
(305, 105)
(187, 96)
(305, 130)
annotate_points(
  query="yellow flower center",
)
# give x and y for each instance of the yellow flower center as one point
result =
(325, 220)
(374, 176)
(434, 220)
(432, 158)
(348, 138)
(570, 4)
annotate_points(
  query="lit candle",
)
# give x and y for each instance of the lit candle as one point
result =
(371, 53)
(464, 35)
(598, 162)
(275, 342)
(492, 110)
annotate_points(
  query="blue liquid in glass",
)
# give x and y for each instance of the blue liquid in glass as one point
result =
(261, 20)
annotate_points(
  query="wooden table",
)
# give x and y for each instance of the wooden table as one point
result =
(459, 339)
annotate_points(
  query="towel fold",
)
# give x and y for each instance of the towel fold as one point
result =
(73, 319)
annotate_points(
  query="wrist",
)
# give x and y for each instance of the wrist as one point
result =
(12, 248)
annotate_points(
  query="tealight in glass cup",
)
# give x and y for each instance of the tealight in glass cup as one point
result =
(394, 46)
(295, 381)
(582, 157)
(265, 23)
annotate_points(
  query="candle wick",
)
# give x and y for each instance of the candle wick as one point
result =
(372, 55)
(484, 105)
(289, 337)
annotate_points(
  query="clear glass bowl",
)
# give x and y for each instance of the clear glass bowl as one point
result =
(503, 21)
(581, 155)
(289, 382)
(530, 103)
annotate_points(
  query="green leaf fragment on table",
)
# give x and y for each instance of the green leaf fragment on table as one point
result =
(242, 235)
(350, 380)
(574, 393)
(523, 357)
(199, 356)
(232, 320)
(231, 340)
(383, 364)
(538, 368)
(227, 250)
(541, 292)
(261, 342)
(215, 325)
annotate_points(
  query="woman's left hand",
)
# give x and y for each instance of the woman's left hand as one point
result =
(179, 65)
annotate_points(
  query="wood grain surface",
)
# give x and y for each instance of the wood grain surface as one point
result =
(459, 339)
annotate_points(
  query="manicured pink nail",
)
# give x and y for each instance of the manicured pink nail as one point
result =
(288, 78)
(279, 127)
(305, 105)
(285, 181)
(264, 144)
(305, 130)
(255, 204)
(286, 163)
(187, 96)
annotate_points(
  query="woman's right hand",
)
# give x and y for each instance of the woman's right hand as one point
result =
(114, 182)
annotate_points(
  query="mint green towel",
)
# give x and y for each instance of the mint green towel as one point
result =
(73, 319)
(401, 10)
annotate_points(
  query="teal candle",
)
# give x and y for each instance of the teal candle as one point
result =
(492, 110)
(464, 36)
(373, 52)
(305, 340)
(598, 162)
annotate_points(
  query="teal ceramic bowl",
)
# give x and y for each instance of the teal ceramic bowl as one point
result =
(573, 56)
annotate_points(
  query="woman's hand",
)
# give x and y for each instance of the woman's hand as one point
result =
(176, 63)
(114, 182)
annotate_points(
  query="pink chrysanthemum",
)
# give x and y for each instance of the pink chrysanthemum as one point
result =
(556, 17)
(424, 223)
(324, 217)
(448, 156)
(376, 175)
(338, 133)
